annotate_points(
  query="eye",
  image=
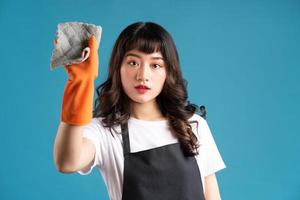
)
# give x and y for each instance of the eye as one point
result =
(133, 63)
(156, 66)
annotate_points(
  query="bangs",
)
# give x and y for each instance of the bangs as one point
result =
(145, 42)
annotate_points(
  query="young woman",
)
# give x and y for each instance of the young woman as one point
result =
(144, 136)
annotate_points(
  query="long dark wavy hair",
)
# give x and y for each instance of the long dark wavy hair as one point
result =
(112, 104)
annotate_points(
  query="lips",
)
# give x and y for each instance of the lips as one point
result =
(142, 87)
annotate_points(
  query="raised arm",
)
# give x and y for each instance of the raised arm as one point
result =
(72, 152)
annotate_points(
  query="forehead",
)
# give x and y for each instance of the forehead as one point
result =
(139, 54)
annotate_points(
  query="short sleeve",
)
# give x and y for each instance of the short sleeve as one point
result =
(211, 158)
(92, 132)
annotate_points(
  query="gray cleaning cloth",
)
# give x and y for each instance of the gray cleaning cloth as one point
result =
(72, 43)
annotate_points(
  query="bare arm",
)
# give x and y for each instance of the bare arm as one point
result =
(72, 152)
(211, 188)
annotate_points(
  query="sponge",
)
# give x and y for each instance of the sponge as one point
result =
(72, 43)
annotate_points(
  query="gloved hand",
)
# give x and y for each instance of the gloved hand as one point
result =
(77, 105)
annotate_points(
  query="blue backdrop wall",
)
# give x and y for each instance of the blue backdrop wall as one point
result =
(241, 59)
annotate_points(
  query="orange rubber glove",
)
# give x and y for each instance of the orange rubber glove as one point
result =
(77, 105)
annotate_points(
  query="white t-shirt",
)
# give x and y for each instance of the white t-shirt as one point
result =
(144, 135)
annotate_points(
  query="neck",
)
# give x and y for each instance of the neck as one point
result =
(146, 111)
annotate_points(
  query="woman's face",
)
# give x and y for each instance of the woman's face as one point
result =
(148, 70)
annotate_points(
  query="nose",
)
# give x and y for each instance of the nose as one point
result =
(142, 73)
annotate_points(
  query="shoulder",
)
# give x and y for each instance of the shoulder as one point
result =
(201, 128)
(96, 124)
(198, 118)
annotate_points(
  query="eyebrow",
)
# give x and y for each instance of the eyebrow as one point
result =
(136, 55)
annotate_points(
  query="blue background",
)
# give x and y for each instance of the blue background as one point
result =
(241, 60)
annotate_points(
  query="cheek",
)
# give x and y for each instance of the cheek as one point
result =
(126, 78)
(126, 73)
(123, 77)
(160, 78)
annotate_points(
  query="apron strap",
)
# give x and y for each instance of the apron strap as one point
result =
(125, 137)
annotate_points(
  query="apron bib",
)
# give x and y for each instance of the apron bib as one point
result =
(162, 173)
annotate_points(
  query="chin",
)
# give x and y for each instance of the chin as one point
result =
(141, 100)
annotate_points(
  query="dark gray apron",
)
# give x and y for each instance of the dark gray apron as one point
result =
(161, 173)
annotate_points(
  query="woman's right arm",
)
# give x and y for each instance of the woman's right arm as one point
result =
(72, 152)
